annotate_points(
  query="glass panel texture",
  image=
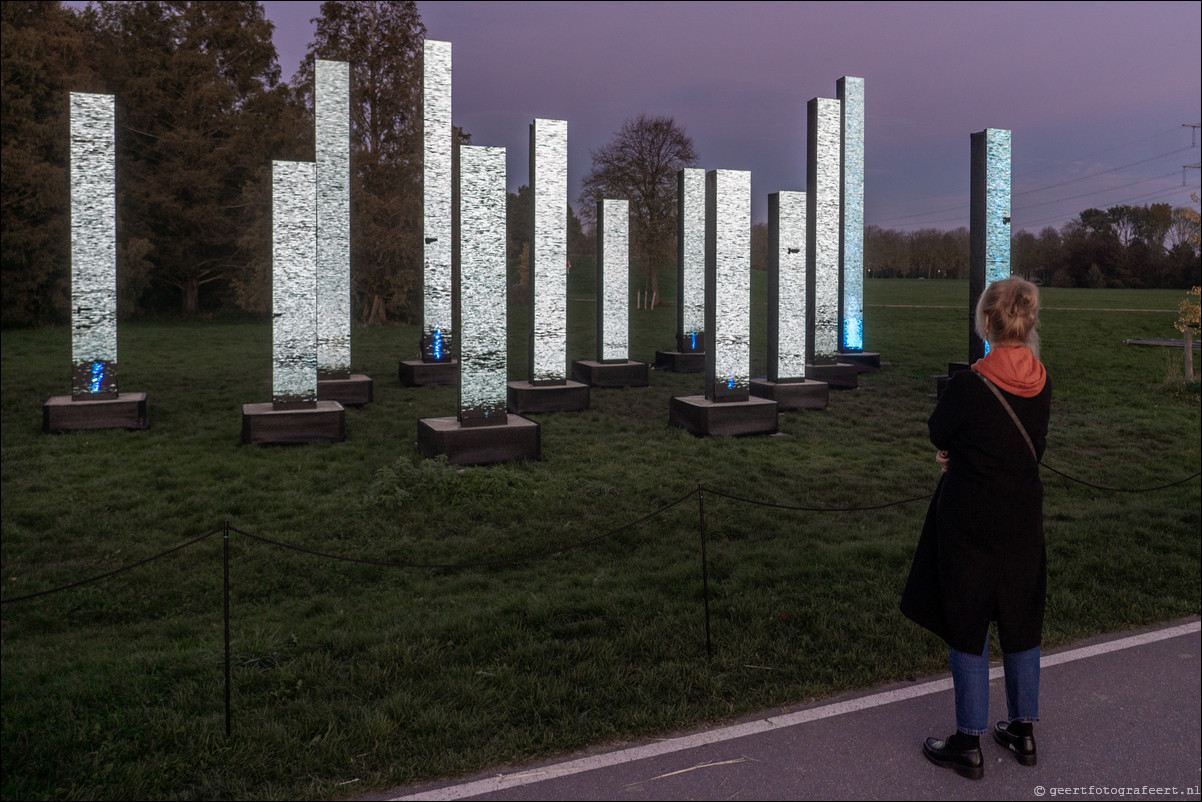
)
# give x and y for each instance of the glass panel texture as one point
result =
(482, 390)
(549, 251)
(851, 93)
(93, 245)
(294, 282)
(732, 278)
(333, 123)
(615, 271)
(692, 233)
(791, 258)
(825, 227)
(436, 191)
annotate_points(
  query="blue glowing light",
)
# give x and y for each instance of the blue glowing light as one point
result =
(97, 376)
(438, 344)
(853, 333)
(730, 384)
(693, 340)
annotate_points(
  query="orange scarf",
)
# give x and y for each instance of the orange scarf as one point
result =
(1013, 368)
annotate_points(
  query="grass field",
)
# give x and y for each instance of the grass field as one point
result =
(349, 677)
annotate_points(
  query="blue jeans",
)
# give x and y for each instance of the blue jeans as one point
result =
(970, 676)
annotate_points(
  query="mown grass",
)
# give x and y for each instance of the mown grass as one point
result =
(349, 677)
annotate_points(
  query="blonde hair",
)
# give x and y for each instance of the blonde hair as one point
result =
(1011, 309)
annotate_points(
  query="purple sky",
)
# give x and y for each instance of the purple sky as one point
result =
(1096, 94)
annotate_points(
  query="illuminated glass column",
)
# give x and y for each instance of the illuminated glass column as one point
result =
(93, 247)
(727, 407)
(483, 431)
(786, 286)
(989, 222)
(690, 245)
(727, 285)
(613, 280)
(483, 349)
(294, 283)
(548, 388)
(822, 235)
(94, 402)
(850, 92)
(332, 117)
(437, 334)
(549, 251)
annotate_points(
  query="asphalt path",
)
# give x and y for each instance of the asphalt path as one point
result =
(1120, 718)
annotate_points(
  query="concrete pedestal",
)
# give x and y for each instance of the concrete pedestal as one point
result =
(516, 439)
(865, 361)
(353, 391)
(680, 361)
(804, 394)
(840, 376)
(263, 424)
(126, 411)
(525, 397)
(416, 373)
(611, 374)
(701, 416)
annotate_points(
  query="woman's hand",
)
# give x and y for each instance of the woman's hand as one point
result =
(941, 458)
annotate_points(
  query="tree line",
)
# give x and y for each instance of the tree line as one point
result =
(1123, 246)
(202, 111)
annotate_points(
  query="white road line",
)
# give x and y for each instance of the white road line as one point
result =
(671, 745)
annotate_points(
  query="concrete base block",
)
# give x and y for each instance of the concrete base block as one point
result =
(354, 391)
(611, 374)
(525, 397)
(516, 439)
(126, 411)
(701, 416)
(262, 424)
(416, 373)
(865, 361)
(804, 394)
(680, 361)
(840, 376)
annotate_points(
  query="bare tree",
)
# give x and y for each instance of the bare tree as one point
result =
(639, 165)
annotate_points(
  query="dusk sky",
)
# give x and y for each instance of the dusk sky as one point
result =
(1098, 95)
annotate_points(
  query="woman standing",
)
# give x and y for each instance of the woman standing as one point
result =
(981, 555)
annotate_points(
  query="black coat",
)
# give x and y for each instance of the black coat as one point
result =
(981, 554)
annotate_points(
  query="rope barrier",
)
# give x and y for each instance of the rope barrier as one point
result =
(114, 572)
(478, 564)
(551, 552)
(1121, 489)
(816, 509)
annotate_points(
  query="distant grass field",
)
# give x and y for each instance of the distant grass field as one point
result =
(349, 677)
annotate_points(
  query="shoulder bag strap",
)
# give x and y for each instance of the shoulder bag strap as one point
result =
(1006, 405)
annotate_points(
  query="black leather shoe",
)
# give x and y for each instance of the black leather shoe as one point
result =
(1023, 746)
(965, 762)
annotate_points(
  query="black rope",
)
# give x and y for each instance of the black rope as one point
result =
(479, 564)
(1121, 489)
(131, 566)
(818, 509)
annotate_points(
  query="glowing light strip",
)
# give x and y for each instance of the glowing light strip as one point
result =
(93, 245)
(728, 281)
(332, 120)
(294, 283)
(851, 252)
(613, 279)
(437, 243)
(483, 354)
